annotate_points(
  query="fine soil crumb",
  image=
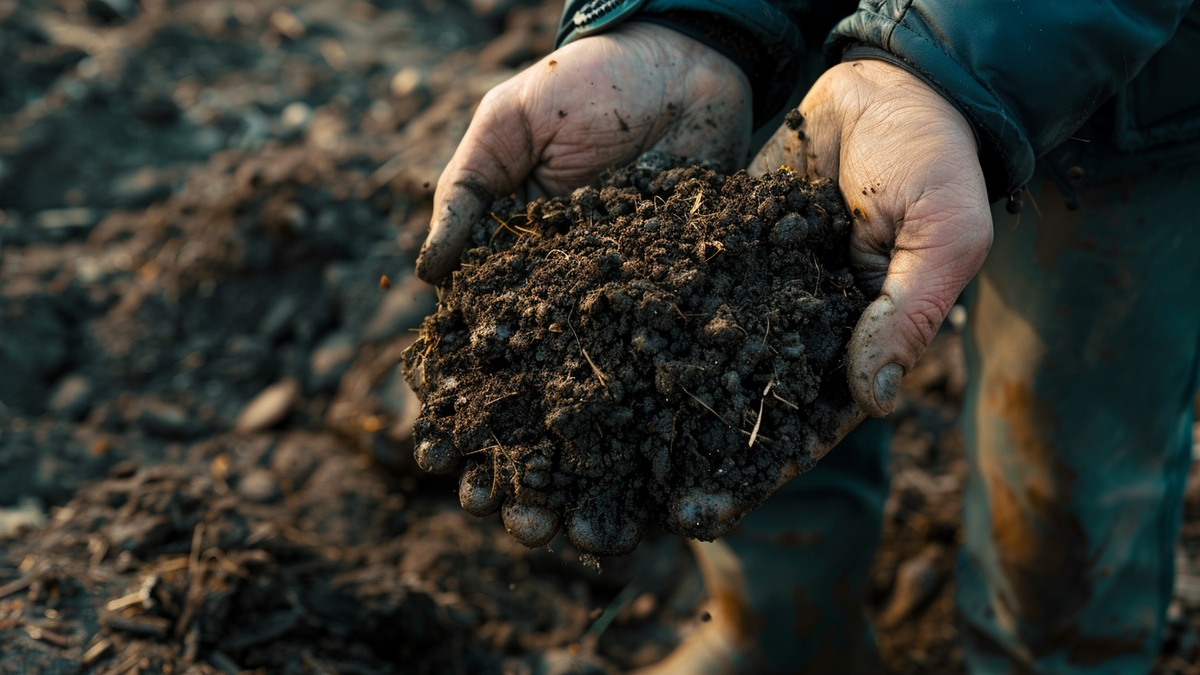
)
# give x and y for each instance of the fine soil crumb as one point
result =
(610, 356)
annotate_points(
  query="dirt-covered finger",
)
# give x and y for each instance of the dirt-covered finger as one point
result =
(531, 525)
(495, 157)
(715, 130)
(437, 456)
(785, 148)
(604, 532)
(922, 284)
(704, 514)
(478, 493)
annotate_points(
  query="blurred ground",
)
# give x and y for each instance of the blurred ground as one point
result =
(199, 397)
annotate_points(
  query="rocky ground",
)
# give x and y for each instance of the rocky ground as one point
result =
(205, 442)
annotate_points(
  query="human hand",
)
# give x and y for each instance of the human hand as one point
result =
(592, 105)
(907, 164)
(905, 160)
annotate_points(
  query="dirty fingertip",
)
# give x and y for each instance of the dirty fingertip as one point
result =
(530, 525)
(448, 232)
(700, 514)
(437, 457)
(604, 533)
(887, 385)
(478, 493)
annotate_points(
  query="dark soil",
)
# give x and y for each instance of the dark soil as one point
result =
(289, 555)
(197, 200)
(609, 355)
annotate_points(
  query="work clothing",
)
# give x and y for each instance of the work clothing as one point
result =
(1025, 73)
(1083, 332)
(1083, 354)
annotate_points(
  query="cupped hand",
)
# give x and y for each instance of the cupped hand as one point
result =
(907, 164)
(595, 104)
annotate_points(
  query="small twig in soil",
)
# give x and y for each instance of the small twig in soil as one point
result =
(679, 311)
(514, 230)
(499, 398)
(97, 650)
(596, 369)
(765, 439)
(784, 401)
(195, 591)
(18, 585)
(694, 397)
(758, 422)
(717, 245)
(47, 636)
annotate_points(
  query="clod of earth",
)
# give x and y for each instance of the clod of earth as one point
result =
(662, 349)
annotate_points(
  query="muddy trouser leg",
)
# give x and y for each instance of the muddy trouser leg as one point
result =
(1082, 349)
(806, 554)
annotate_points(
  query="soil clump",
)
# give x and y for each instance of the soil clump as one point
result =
(651, 351)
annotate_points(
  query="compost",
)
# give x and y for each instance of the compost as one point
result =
(618, 355)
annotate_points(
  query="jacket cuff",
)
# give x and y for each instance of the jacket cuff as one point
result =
(758, 37)
(1005, 154)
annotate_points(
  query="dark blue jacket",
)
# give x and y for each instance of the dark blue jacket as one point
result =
(1028, 74)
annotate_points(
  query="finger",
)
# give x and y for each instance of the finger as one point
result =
(784, 149)
(494, 158)
(599, 532)
(531, 525)
(478, 493)
(437, 457)
(808, 142)
(938, 249)
(716, 128)
(843, 420)
(701, 514)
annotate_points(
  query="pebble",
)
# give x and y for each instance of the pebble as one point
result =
(78, 217)
(330, 360)
(27, 515)
(407, 80)
(140, 188)
(164, 419)
(276, 321)
(296, 116)
(72, 397)
(259, 485)
(269, 408)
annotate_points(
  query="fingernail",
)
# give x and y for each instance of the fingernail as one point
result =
(887, 384)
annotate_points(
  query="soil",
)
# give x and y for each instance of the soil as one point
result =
(608, 355)
(200, 391)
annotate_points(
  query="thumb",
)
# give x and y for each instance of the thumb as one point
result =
(940, 246)
(494, 158)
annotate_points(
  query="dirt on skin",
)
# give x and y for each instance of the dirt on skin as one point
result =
(671, 341)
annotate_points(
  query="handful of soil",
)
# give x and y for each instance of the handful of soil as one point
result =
(663, 348)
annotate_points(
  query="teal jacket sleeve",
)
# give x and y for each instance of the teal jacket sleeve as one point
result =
(1026, 73)
(765, 38)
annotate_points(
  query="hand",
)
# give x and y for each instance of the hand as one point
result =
(906, 162)
(594, 104)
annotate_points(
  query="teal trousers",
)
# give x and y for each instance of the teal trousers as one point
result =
(1083, 352)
